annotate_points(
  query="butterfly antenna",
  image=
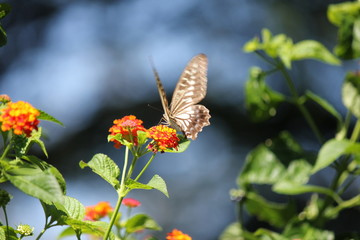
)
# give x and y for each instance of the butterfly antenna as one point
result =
(156, 74)
(155, 108)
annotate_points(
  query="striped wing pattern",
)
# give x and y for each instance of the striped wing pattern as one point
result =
(184, 113)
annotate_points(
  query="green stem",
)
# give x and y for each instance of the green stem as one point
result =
(299, 103)
(41, 233)
(121, 194)
(132, 166)
(356, 132)
(113, 217)
(6, 221)
(145, 167)
(6, 150)
(266, 59)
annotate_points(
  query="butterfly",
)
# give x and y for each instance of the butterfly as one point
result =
(184, 114)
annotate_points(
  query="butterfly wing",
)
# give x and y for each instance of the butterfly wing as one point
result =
(192, 119)
(163, 98)
(189, 91)
(192, 84)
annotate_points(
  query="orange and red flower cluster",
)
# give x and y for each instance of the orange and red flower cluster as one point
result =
(128, 126)
(131, 202)
(19, 116)
(162, 136)
(177, 235)
(98, 211)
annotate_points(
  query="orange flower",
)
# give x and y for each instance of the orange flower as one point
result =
(131, 202)
(128, 126)
(97, 211)
(177, 235)
(19, 116)
(163, 138)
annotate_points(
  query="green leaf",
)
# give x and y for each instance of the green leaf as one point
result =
(156, 182)
(276, 214)
(41, 185)
(183, 145)
(4, 10)
(333, 149)
(140, 222)
(105, 167)
(97, 228)
(46, 166)
(22, 143)
(72, 207)
(141, 137)
(235, 232)
(325, 105)
(47, 117)
(351, 93)
(310, 49)
(265, 234)
(346, 16)
(8, 235)
(261, 101)
(337, 12)
(306, 231)
(276, 160)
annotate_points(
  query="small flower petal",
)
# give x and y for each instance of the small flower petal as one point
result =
(131, 202)
(95, 212)
(177, 235)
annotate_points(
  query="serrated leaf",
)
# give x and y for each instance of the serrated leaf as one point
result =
(48, 167)
(41, 185)
(72, 207)
(140, 222)
(47, 117)
(159, 184)
(105, 167)
(97, 228)
(351, 93)
(333, 149)
(310, 49)
(156, 182)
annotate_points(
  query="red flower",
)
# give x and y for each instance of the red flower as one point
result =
(97, 211)
(163, 138)
(131, 202)
(19, 116)
(128, 126)
(177, 235)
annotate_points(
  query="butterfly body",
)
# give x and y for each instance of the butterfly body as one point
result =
(184, 113)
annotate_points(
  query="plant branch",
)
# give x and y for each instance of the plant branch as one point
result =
(299, 103)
